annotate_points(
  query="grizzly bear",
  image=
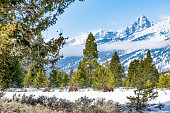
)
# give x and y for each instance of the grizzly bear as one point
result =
(73, 89)
(106, 89)
(47, 89)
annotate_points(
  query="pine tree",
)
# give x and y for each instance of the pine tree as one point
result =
(150, 72)
(117, 69)
(161, 81)
(167, 81)
(148, 83)
(90, 56)
(111, 80)
(21, 23)
(144, 80)
(62, 86)
(127, 84)
(145, 70)
(18, 77)
(100, 79)
(79, 81)
(155, 74)
(65, 79)
(31, 18)
(43, 79)
(7, 55)
(107, 65)
(124, 82)
(114, 61)
(81, 77)
(133, 82)
(143, 94)
(40, 80)
(132, 72)
(140, 71)
(71, 77)
(53, 77)
(59, 80)
(57, 77)
(148, 58)
(28, 78)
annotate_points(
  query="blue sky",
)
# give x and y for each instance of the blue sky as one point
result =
(91, 15)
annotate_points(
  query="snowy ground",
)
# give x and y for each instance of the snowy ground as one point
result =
(119, 95)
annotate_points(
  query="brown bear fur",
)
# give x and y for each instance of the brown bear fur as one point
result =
(73, 89)
(106, 89)
(47, 89)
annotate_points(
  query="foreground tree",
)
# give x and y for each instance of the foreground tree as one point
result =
(147, 77)
(21, 21)
(143, 94)
(8, 59)
(30, 19)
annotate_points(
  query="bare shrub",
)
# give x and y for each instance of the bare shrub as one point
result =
(81, 105)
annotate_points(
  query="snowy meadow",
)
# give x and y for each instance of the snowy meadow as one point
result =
(118, 95)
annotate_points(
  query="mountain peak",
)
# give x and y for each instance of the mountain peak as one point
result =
(143, 20)
(140, 24)
(142, 17)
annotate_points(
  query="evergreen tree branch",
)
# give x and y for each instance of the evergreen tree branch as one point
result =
(16, 9)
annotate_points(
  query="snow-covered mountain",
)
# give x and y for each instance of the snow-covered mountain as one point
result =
(130, 43)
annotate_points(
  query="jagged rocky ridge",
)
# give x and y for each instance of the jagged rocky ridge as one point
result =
(141, 30)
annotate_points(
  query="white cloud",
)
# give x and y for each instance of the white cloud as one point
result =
(125, 45)
(73, 50)
(77, 50)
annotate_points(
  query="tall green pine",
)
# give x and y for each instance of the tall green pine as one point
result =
(40, 80)
(161, 81)
(117, 69)
(150, 72)
(28, 78)
(70, 83)
(90, 58)
(100, 78)
(53, 77)
(80, 77)
(133, 72)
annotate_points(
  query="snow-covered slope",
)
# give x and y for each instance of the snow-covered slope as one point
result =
(130, 43)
